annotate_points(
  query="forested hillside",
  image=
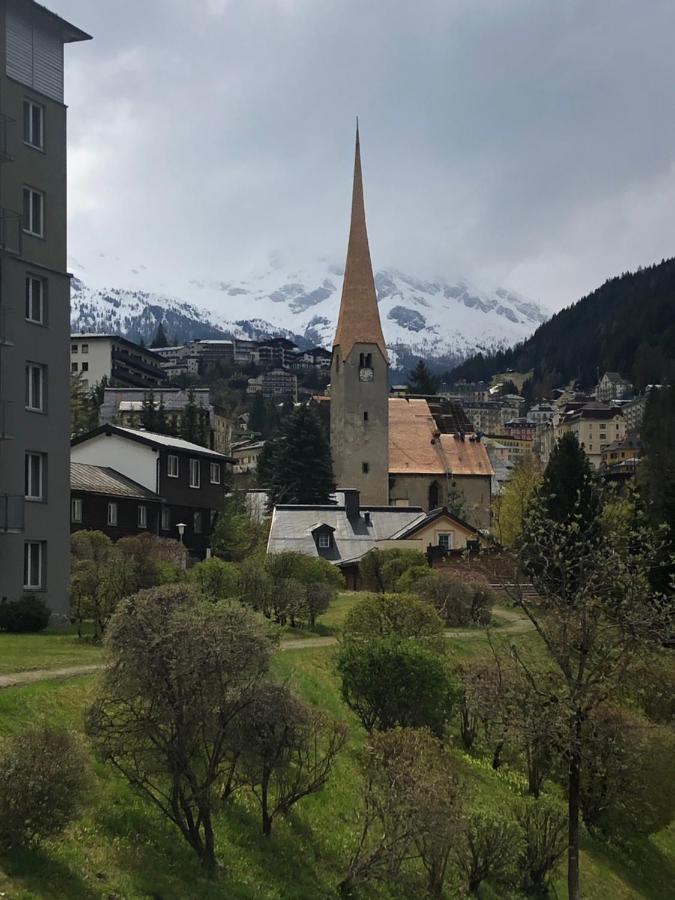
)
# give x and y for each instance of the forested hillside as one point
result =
(627, 325)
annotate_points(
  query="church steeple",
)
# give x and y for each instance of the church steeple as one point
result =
(359, 318)
(359, 372)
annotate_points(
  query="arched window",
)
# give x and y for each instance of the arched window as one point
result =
(433, 495)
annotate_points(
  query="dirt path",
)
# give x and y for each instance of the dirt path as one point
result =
(515, 623)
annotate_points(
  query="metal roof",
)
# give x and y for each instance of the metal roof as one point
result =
(151, 438)
(104, 480)
(292, 528)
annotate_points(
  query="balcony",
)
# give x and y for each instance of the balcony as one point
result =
(7, 138)
(12, 514)
(10, 230)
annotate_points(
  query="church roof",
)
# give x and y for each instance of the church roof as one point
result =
(359, 318)
(417, 448)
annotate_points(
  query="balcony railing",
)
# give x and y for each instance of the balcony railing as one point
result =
(10, 230)
(7, 138)
(12, 513)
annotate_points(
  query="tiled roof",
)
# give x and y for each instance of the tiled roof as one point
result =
(104, 480)
(292, 528)
(359, 317)
(417, 448)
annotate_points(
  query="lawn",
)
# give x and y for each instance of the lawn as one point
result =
(47, 650)
(119, 848)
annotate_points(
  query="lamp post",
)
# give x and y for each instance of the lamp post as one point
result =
(181, 531)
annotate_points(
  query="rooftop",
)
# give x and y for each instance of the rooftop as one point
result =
(104, 480)
(150, 438)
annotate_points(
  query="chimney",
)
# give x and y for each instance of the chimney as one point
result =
(352, 504)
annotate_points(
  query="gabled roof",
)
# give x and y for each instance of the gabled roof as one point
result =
(151, 439)
(359, 317)
(104, 480)
(426, 519)
(293, 528)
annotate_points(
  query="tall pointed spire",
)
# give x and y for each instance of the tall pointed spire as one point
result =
(359, 319)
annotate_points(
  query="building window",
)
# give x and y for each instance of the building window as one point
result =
(33, 212)
(76, 510)
(33, 124)
(215, 473)
(35, 387)
(197, 523)
(35, 300)
(365, 468)
(33, 565)
(34, 476)
(74, 348)
(112, 514)
(172, 466)
(195, 473)
(85, 348)
(85, 366)
(73, 368)
(142, 516)
(324, 541)
(365, 416)
(445, 540)
(166, 518)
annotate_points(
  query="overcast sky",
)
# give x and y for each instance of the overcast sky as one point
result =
(525, 142)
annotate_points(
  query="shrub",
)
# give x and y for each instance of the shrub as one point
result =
(381, 568)
(28, 614)
(394, 616)
(43, 776)
(215, 578)
(458, 603)
(544, 831)
(389, 682)
(406, 582)
(489, 849)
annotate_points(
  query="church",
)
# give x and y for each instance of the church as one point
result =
(391, 449)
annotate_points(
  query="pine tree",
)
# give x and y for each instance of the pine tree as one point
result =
(302, 469)
(258, 418)
(149, 411)
(189, 425)
(160, 339)
(567, 488)
(421, 381)
(656, 475)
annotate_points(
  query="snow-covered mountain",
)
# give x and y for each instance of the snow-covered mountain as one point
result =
(441, 320)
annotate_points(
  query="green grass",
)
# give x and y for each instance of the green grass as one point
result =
(120, 848)
(331, 622)
(46, 650)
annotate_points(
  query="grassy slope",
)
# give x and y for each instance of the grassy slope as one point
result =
(47, 650)
(120, 848)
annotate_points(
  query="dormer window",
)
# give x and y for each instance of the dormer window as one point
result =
(323, 537)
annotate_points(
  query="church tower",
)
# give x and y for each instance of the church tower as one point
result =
(359, 417)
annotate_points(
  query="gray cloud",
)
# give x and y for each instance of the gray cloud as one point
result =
(522, 142)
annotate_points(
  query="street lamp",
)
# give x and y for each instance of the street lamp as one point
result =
(181, 530)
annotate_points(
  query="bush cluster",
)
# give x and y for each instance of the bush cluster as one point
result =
(458, 603)
(27, 614)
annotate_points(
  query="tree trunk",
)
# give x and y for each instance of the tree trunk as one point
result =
(209, 852)
(574, 790)
(264, 805)
(497, 755)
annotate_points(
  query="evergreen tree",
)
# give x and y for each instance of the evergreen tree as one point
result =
(258, 418)
(189, 425)
(421, 381)
(656, 475)
(160, 339)
(567, 488)
(162, 425)
(149, 411)
(302, 469)
(83, 407)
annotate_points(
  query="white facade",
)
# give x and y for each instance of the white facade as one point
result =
(134, 460)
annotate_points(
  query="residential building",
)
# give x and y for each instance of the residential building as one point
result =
(124, 406)
(245, 456)
(34, 305)
(595, 425)
(119, 361)
(511, 448)
(488, 416)
(613, 387)
(274, 384)
(360, 369)
(634, 410)
(627, 450)
(467, 391)
(430, 469)
(520, 429)
(541, 413)
(189, 478)
(102, 499)
(344, 532)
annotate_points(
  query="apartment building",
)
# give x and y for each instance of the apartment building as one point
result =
(596, 425)
(119, 361)
(273, 384)
(34, 305)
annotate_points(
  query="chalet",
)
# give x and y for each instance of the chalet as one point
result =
(186, 477)
(102, 499)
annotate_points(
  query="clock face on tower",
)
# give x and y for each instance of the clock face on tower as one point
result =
(365, 374)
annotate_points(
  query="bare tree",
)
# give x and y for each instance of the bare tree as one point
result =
(181, 671)
(286, 748)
